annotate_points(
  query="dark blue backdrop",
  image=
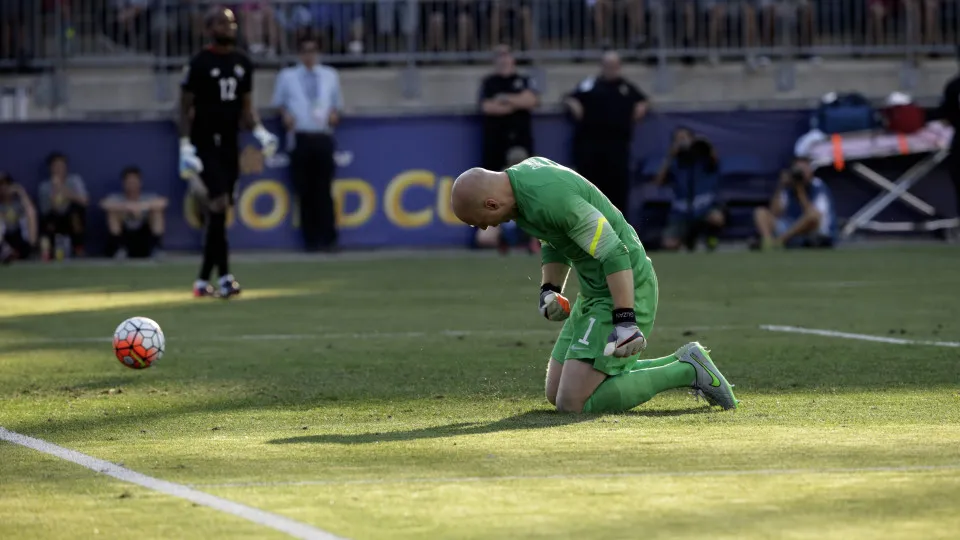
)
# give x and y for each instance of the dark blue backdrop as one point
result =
(393, 185)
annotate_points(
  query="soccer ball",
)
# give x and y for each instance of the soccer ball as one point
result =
(138, 342)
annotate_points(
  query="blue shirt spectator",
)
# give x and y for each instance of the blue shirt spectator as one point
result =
(801, 213)
(308, 95)
(310, 102)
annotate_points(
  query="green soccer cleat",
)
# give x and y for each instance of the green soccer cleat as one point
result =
(710, 383)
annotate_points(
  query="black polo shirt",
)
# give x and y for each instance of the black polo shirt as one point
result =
(608, 106)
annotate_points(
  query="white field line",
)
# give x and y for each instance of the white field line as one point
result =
(267, 519)
(666, 474)
(861, 337)
(355, 335)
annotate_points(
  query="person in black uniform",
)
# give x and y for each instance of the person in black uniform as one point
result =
(506, 99)
(215, 100)
(604, 110)
(949, 111)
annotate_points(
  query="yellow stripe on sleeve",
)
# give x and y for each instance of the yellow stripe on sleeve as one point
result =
(596, 236)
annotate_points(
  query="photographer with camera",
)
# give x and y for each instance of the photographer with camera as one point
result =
(801, 212)
(692, 167)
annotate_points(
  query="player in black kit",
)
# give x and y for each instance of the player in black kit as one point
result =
(215, 104)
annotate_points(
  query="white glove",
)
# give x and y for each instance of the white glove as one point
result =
(190, 164)
(268, 141)
(191, 167)
(553, 305)
(626, 338)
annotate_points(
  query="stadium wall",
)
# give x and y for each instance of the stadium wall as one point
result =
(393, 178)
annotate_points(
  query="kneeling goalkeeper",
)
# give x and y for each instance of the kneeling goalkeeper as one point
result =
(594, 367)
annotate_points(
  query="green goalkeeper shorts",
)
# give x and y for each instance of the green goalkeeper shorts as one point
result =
(584, 333)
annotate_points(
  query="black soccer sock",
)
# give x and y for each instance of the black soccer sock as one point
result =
(224, 261)
(214, 243)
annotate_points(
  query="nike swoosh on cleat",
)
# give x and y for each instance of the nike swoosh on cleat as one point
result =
(715, 382)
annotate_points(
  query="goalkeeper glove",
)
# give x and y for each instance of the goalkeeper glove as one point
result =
(190, 164)
(191, 167)
(268, 141)
(626, 338)
(553, 305)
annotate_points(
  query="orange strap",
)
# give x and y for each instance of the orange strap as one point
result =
(902, 143)
(838, 162)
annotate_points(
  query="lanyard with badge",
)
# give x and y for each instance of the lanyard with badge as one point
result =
(312, 82)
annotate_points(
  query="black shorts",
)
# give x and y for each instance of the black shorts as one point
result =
(681, 226)
(221, 169)
(138, 242)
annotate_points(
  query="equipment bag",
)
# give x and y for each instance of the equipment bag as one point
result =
(846, 113)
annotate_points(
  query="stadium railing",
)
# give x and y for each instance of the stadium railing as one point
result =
(45, 33)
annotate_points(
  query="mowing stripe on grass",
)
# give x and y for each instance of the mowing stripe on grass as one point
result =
(861, 337)
(273, 521)
(355, 335)
(651, 474)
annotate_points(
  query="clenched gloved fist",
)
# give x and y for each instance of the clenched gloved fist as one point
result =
(553, 305)
(626, 338)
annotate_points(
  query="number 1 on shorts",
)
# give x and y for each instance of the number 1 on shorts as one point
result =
(586, 334)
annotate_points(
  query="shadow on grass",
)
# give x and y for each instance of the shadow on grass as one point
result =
(536, 419)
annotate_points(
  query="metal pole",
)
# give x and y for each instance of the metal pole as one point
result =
(908, 71)
(787, 72)
(59, 86)
(410, 78)
(161, 75)
(662, 83)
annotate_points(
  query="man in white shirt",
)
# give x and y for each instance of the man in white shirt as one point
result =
(310, 101)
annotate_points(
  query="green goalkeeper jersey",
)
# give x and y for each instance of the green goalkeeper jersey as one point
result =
(576, 225)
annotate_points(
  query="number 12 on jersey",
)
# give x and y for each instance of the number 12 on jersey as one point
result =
(228, 89)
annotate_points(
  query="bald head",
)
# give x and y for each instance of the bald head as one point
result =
(482, 198)
(610, 65)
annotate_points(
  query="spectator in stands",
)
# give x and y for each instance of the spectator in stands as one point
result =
(260, 29)
(131, 23)
(13, 31)
(604, 110)
(63, 207)
(801, 212)
(341, 26)
(18, 221)
(621, 23)
(396, 23)
(511, 21)
(457, 17)
(692, 168)
(506, 101)
(134, 218)
(310, 101)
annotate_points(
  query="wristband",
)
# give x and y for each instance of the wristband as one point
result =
(624, 316)
(549, 287)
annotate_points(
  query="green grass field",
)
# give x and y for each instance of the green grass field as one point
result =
(401, 397)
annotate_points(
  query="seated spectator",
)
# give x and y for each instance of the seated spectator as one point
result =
(134, 218)
(692, 169)
(18, 221)
(260, 29)
(63, 207)
(801, 212)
